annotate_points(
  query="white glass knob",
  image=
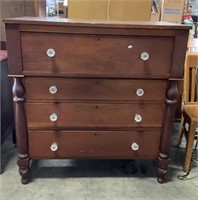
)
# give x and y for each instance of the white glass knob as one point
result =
(54, 147)
(144, 56)
(51, 53)
(138, 118)
(130, 46)
(53, 89)
(53, 117)
(135, 146)
(140, 92)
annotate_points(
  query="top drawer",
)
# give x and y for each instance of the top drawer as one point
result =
(92, 55)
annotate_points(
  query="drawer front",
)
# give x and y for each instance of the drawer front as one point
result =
(92, 115)
(111, 56)
(98, 145)
(96, 89)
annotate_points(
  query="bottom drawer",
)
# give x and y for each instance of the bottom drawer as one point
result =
(94, 144)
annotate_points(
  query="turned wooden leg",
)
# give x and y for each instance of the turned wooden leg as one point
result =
(162, 164)
(21, 130)
(163, 157)
(24, 170)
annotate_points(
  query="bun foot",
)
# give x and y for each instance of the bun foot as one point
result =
(159, 180)
(25, 181)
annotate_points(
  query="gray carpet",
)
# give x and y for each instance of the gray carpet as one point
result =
(98, 179)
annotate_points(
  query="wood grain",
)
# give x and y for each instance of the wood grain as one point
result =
(74, 54)
(93, 115)
(97, 69)
(14, 50)
(94, 144)
(146, 25)
(78, 89)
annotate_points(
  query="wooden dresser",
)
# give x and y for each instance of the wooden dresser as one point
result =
(94, 90)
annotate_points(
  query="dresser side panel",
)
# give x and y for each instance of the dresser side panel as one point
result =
(179, 54)
(14, 49)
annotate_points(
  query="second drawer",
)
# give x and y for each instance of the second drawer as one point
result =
(60, 89)
(88, 115)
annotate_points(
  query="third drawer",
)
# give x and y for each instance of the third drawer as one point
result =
(57, 116)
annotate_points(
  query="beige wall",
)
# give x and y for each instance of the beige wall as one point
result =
(139, 10)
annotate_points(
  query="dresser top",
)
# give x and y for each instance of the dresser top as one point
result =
(93, 23)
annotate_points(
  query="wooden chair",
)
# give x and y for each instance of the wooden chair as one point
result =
(189, 107)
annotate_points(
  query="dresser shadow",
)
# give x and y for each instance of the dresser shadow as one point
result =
(92, 168)
(107, 168)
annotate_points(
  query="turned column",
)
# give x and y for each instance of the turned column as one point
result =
(21, 130)
(163, 157)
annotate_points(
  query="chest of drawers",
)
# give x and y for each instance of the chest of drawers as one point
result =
(94, 90)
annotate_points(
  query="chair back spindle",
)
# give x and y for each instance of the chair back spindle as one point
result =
(190, 89)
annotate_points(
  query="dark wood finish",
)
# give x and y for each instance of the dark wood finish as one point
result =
(94, 144)
(97, 76)
(93, 115)
(21, 130)
(142, 25)
(89, 30)
(177, 70)
(96, 89)
(163, 158)
(14, 49)
(76, 57)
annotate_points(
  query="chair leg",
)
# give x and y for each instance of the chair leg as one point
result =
(189, 145)
(179, 139)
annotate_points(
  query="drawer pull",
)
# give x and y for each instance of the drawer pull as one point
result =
(54, 147)
(130, 46)
(53, 117)
(53, 89)
(51, 53)
(135, 146)
(138, 118)
(144, 56)
(140, 92)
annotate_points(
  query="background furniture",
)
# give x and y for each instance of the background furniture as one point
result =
(195, 21)
(7, 115)
(98, 91)
(13, 8)
(193, 44)
(190, 107)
